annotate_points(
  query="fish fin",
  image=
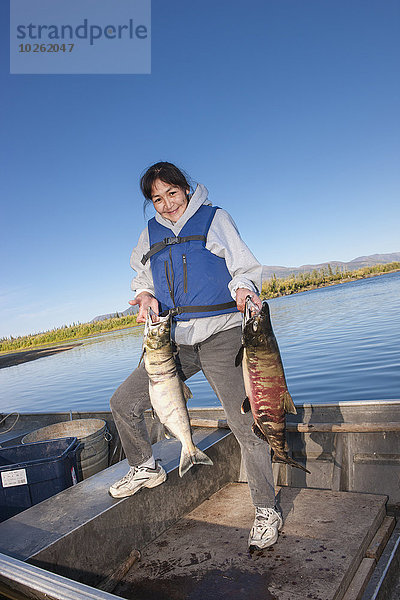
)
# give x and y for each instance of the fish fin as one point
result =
(168, 433)
(288, 403)
(289, 461)
(239, 356)
(245, 406)
(257, 431)
(186, 391)
(188, 460)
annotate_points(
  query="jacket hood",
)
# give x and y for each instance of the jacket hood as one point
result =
(199, 197)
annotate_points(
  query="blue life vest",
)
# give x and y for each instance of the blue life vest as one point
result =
(189, 280)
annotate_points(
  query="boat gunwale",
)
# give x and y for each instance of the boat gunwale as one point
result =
(343, 403)
(40, 581)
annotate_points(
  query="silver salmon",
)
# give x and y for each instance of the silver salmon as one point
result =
(267, 395)
(168, 393)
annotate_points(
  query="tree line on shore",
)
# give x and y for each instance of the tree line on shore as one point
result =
(66, 333)
(301, 282)
(272, 288)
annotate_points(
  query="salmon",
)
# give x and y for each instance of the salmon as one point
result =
(168, 393)
(268, 397)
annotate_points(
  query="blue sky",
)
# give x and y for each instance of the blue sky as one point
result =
(287, 110)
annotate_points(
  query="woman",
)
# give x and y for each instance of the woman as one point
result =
(190, 259)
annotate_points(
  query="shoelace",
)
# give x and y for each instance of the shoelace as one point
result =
(126, 478)
(131, 474)
(266, 514)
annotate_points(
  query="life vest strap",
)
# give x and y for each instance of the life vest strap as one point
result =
(170, 241)
(178, 310)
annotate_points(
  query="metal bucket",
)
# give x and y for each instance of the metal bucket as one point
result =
(94, 438)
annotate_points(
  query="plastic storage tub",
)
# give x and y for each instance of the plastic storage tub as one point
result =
(30, 473)
(91, 433)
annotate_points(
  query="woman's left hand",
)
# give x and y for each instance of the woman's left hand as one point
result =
(241, 295)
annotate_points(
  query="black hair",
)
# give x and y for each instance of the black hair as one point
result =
(168, 173)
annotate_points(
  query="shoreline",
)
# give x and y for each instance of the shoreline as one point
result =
(17, 358)
(310, 288)
(10, 359)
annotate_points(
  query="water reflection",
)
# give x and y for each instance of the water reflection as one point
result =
(337, 343)
(342, 342)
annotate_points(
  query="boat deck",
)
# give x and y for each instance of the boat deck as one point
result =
(324, 540)
(192, 531)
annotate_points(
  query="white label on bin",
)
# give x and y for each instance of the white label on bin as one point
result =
(11, 478)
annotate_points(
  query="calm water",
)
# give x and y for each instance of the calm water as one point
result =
(337, 343)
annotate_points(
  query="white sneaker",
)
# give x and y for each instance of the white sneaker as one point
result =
(264, 532)
(137, 478)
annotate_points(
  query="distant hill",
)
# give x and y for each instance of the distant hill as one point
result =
(352, 265)
(132, 310)
(268, 272)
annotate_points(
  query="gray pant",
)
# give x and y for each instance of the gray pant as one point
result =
(216, 358)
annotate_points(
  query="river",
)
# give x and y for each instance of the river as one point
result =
(337, 343)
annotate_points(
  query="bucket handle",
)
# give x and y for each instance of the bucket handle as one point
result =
(77, 447)
(107, 436)
(17, 415)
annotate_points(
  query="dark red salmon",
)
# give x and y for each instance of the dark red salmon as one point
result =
(267, 395)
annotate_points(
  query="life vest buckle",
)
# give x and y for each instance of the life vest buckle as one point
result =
(172, 240)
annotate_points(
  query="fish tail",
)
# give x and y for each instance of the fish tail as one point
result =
(289, 461)
(188, 460)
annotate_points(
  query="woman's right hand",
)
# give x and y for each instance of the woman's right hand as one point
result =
(145, 300)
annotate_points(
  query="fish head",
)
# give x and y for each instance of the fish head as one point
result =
(256, 324)
(157, 331)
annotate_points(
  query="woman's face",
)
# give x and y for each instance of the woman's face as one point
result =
(170, 201)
